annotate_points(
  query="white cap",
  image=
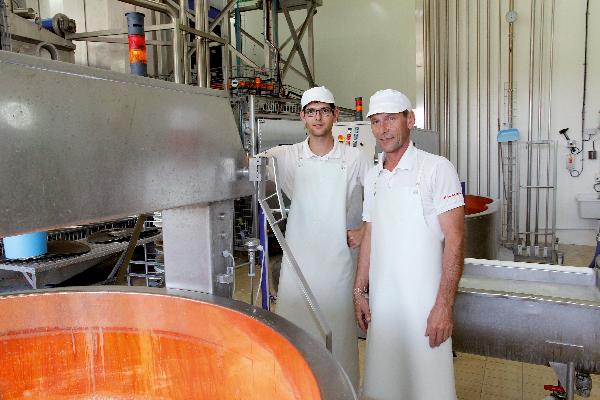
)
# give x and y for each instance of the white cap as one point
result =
(319, 93)
(388, 101)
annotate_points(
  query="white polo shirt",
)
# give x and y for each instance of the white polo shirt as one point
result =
(357, 164)
(440, 185)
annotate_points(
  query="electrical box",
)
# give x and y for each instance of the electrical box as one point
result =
(358, 134)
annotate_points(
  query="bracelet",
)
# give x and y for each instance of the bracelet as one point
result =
(359, 292)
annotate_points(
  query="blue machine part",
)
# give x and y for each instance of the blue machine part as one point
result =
(508, 135)
(26, 246)
(47, 24)
(212, 12)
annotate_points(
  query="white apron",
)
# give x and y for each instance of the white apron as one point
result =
(316, 234)
(404, 276)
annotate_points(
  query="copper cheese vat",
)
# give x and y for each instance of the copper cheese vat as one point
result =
(98, 343)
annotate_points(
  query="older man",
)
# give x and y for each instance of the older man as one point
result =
(410, 261)
(322, 177)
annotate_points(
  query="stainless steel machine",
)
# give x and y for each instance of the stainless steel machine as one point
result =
(534, 313)
(119, 145)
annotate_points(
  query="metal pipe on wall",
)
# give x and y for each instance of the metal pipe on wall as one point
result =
(511, 217)
(447, 80)
(498, 98)
(478, 51)
(427, 67)
(311, 40)
(468, 113)
(438, 71)
(487, 108)
(530, 124)
(539, 123)
(549, 124)
(457, 72)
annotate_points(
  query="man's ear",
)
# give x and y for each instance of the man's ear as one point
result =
(336, 114)
(302, 116)
(410, 120)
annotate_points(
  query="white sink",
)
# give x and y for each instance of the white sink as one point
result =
(588, 205)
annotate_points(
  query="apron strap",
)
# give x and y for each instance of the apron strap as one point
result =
(420, 175)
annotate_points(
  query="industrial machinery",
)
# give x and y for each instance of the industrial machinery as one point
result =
(24, 36)
(533, 313)
(140, 145)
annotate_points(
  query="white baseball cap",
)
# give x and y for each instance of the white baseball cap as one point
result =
(388, 101)
(319, 93)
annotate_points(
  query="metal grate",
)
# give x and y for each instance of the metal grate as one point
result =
(242, 229)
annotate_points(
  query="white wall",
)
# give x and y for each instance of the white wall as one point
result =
(472, 137)
(566, 108)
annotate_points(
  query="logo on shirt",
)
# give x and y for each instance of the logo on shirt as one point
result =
(449, 196)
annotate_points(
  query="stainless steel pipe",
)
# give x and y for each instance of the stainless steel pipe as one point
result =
(530, 124)
(549, 113)
(468, 113)
(478, 52)
(457, 64)
(488, 121)
(539, 123)
(201, 55)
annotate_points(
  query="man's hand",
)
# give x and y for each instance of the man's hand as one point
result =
(355, 237)
(439, 325)
(362, 312)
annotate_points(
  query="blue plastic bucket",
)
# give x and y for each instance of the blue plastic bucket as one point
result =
(26, 246)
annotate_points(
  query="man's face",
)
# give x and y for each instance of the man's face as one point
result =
(318, 118)
(392, 131)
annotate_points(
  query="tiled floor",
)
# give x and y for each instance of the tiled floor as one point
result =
(486, 378)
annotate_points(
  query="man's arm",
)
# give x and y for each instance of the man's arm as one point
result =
(439, 322)
(361, 283)
(355, 236)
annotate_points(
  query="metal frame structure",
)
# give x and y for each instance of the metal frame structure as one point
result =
(183, 49)
(38, 274)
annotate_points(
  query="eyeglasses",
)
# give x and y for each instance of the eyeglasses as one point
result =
(325, 112)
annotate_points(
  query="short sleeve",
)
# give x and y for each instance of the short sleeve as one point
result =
(446, 188)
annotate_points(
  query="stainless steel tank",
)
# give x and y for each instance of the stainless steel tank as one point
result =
(533, 313)
(480, 227)
(115, 343)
